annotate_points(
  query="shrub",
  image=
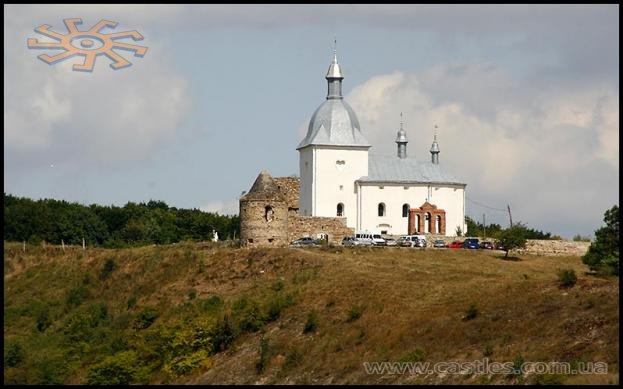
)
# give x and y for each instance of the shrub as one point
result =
(76, 295)
(223, 334)
(416, 355)
(276, 304)
(603, 253)
(145, 318)
(118, 369)
(43, 319)
(293, 358)
(517, 364)
(184, 364)
(13, 354)
(277, 285)
(354, 313)
(488, 350)
(211, 304)
(107, 268)
(513, 237)
(260, 365)
(131, 302)
(566, 277)
(471, 312)
(312, 323)
(192, 294)
(580, 238)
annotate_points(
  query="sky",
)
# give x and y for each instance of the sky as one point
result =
(525, 98)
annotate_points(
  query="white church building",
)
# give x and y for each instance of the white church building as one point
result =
(387, 194)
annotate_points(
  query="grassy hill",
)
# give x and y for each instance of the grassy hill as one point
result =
(206, 313)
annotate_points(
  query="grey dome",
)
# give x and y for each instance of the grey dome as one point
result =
(334, 123)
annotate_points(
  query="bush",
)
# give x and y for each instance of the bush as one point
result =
(145, 318)
(580, 238)
(107, 268)
(354, 313)
(223, 334)
(118, 369)
(13, 354)
(43, 319)
(76, 295)
(211, 304)
(513, 237)
(518, 362)
(603, 253)
(293, 358)
(184, 364)
(312, 323)
(192, 294)
(416, 355)
(131, 302)
(566, 277)
(260, 365)
(471, 312)
(488, 350)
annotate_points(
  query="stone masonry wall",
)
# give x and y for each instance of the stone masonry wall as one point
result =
(289, 187)
(335, 227)
(554, 247)
(256, 230)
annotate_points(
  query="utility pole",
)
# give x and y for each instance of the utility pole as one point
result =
(63, 244)
(83, 245)
(484, 229)
(509, 214)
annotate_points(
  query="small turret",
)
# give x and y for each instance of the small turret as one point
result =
(401, 140)
(334, 77)
(434, 150)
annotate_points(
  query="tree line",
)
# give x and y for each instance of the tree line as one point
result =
(110, 226)
(493, 230)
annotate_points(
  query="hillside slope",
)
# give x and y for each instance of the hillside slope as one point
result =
(204, 313)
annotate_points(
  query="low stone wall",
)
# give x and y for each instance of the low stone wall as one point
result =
(554, 247)
(335, 227)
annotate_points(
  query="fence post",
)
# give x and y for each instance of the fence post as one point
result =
(63, 244)
(83, 245)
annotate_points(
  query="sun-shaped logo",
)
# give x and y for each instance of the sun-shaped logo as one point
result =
(88, 44)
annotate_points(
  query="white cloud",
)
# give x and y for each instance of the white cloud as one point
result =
(532, 151)
(106, 117)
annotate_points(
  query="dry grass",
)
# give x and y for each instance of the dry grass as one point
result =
(410, 299)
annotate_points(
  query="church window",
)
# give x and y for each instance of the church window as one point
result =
(405, 210)
(381, 209)
(381, 187)
(341, 187)
(405, 187)
(340, 209)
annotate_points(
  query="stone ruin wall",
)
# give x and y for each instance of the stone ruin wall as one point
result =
(335, 227)
(253, 224)
(290, 188)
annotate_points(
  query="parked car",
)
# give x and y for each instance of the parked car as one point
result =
(377, 240)
(471, 243)
(486, 245)
(499, 246)
(457, 244)
(439, 244)
(390, 242)
(349, 241)
(364, 239)
(411, 241)
(305, 241)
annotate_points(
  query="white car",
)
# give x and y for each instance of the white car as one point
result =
(378, 240)
(364, 239)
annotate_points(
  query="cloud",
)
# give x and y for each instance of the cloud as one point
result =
(106, 117)
(222, 207)
(552, 152)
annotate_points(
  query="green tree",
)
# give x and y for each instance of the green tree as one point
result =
(513, 237)
(603, 253)
(118, 369)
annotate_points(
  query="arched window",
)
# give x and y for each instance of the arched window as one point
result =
(340, 209)
(438, 224)
(417, 222)
(381, 209)
(405, 210)
(269, 213)
(428, 223)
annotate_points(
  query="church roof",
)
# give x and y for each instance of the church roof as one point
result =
(334, 124)
(391, 169)
(264, 188)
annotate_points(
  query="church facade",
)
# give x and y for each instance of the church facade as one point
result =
(344, 185)
(341, 176)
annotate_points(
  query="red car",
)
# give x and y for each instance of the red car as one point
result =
(457, 244)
